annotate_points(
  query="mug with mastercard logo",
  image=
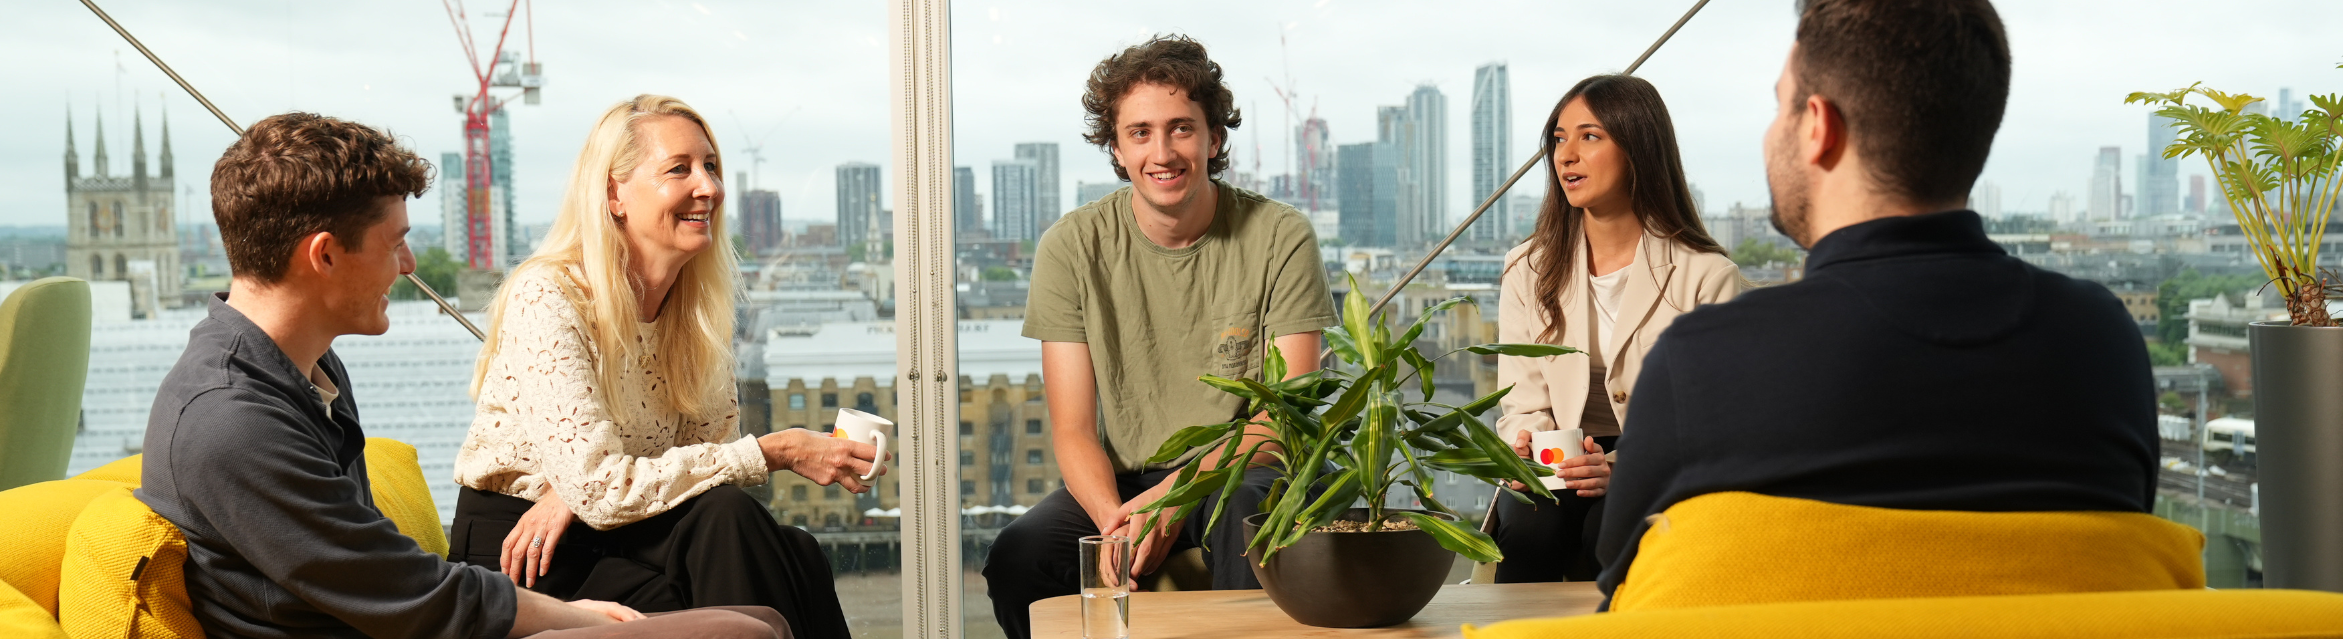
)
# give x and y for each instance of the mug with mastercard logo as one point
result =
(866, 428)
(1550, 447)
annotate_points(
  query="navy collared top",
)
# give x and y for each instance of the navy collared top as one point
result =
(1916, 366)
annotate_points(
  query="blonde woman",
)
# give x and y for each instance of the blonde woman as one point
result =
(1618, 254)
(605, 459)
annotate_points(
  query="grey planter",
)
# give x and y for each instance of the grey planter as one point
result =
(2298, 432)
(1354, 579)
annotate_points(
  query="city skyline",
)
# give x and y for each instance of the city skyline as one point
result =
(1720, 96)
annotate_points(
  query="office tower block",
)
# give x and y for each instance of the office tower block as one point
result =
(1017, 200)
(1089, 192)
(1492, 128)
(2107, 184)
(1393, 129)
(1045, 182)
(2159, 176)
(1368, 193)
(859, 185)
(1311, 187)
(759, 220)
(510, 244)
(967, 213)
(2288, 108)
(1426, 154)
(2196, 194)
(452, 207)
(2062, 208)
(1985, 199)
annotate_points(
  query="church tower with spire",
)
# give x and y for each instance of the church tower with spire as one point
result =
(122, 227)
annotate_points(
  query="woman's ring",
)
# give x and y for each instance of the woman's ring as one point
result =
(538, 542)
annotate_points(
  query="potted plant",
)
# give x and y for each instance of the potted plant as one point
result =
(1344, 437)
(2279, 177)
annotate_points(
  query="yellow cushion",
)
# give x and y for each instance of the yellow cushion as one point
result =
(401, 494)
(33, 523)
(124, 573)
(2144, 615)
(20, 617)
(123, 470)
(1734, 548)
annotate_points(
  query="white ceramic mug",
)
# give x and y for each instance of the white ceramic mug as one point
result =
(866, 428)
(1550, 447)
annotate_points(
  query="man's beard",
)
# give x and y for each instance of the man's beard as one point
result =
(1791, 195)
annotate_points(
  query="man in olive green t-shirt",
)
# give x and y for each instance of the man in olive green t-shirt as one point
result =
(1136, 295)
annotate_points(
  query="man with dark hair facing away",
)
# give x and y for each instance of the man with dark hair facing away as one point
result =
(1136, 295)
(1917, 365)
(254, 449)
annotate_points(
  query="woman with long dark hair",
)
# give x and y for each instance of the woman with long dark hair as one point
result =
(1618, 253)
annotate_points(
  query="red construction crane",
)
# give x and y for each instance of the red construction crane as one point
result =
(480, 235)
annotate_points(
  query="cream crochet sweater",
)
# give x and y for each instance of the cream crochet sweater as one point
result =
(615, 457)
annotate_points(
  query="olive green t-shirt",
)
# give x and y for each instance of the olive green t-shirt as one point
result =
(1157, 318)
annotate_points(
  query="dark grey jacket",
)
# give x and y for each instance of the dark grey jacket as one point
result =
(283, 539)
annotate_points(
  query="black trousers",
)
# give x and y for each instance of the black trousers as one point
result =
(1035, 557)
(1550, 540)
(720, 548)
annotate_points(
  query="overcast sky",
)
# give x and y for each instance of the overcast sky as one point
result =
(808, 79)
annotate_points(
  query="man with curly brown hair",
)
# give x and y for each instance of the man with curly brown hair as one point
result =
(1136, 295)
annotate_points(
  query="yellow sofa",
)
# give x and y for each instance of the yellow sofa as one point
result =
(86, 559)
(1747, 565)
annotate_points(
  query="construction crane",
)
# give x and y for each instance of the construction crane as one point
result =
(480, 236)
(754, 147)
(1302, 182)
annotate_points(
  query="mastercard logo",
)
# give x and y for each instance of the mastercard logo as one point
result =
(838, 434)
(1549, 456)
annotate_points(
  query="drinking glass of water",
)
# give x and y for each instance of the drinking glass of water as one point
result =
(1106, 587)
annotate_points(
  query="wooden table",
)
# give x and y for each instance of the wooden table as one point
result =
(1249, 613)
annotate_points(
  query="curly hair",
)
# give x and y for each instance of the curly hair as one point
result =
(297, 174)
(1176, 61)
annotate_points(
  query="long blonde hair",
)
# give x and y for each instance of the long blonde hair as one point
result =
(693, 337)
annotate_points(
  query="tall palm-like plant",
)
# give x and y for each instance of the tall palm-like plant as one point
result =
(2278, 176)
(1344, 436)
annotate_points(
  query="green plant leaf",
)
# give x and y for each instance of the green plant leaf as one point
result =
(1355, 398)
(1424, 369)
(1501, 453)
(1190, 490)
(1522, 350)
(1408, 339)
(1273, 366)
(1468, 461)
(1233, 387)
(1465, 540)
(1191, 437)
(1359, 326)
(1449, 420)
(1339, 339)
(1343, 489)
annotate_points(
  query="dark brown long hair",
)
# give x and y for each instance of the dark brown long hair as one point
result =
(1631, 110)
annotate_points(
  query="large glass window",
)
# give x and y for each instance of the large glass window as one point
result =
(1384, 142)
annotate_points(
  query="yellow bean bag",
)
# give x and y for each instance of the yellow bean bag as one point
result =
(2159, 614)
(1748, 565)
(21, 617)
(124, 573)
(1724, 549)
(87, 559)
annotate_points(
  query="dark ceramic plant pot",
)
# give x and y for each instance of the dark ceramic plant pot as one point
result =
(1354, 579)
(2298, 424)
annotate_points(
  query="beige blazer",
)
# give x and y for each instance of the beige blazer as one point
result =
(1550, 393)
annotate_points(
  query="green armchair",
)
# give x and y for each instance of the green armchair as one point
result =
(44, 361)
